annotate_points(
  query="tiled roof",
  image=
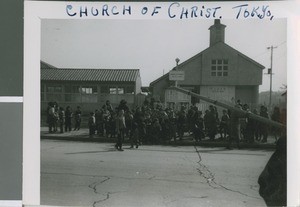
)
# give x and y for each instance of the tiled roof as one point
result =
(127, 75)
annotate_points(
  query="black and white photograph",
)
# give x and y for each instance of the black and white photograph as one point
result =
(163, 112)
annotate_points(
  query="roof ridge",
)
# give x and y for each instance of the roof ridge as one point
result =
(79, 74)
(88, 69)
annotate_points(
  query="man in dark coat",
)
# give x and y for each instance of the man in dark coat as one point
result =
(235, 127)
(273, 179)
(68, 119)
(77, 118)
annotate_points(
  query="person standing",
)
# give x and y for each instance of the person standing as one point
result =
(92, 124)
(235, 127)
(134, 136)
(276, 117)
(77, 118)
(108, 106)
(181, 121)
(224, 124)
(263, 126)
(120, 128)
(211, 121)
(198, 126)
(56, 116)
(68, 119)
(50, 116)
(61, 115)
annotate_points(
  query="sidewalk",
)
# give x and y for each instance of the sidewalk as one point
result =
(83, 136)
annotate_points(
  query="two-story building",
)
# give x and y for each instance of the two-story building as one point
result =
(219, 72)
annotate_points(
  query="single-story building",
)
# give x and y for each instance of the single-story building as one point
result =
(89, 88)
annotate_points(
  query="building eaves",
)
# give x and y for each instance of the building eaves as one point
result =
(105, 75)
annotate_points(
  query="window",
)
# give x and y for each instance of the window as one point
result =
(120, 90)
(219, 67)
(54, 89)
(89, 90)
(72, 89)
(116, 90)
(112, 90)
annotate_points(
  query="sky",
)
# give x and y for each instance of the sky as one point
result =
(153, 45)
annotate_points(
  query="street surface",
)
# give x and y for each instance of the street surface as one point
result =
(95, 174)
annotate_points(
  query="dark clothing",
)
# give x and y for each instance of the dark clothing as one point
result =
(276, 117)
(68, 118)
(211, 124)
(273, 179)
(134, 138)
(92, 125)
(235, 128)
(120, 127)
(52, 119)
(156, 129)
(77, 119)
(250, 130)
(264, 127)
(198, 129)
(224, 126)
(181, 121)
(61, 115)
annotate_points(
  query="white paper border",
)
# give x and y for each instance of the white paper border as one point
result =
(10, 203)
(11, 99)
(35, 11)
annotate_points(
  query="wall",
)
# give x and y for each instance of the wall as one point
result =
(192, 68)
(241, 72)
(247, 94)
(239, 67)
(95, 100)
(220, 93)
(219, 51)
(138, 85)
(158, 88)
(248, 73)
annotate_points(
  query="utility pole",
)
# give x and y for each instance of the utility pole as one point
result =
(270, 72)
(177, 61)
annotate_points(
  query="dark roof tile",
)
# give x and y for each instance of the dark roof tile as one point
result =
(55, 74)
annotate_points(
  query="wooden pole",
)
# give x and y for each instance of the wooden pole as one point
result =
(233, 108)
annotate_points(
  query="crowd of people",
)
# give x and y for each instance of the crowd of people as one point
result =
(153, 124)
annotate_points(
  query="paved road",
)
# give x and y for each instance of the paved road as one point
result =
(95, 174)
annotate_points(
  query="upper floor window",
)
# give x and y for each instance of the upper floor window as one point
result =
(219, 67)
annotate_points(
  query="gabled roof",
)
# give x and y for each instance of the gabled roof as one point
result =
(199, 54)
(46, 65)
(108, 75)
(246, 57)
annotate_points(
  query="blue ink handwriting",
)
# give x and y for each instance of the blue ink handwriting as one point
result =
(192, 12)
(245, 11)
(105, 10)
